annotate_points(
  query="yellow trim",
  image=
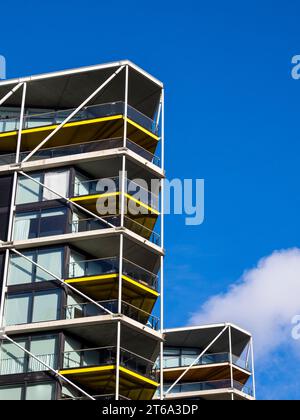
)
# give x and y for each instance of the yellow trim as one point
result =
(83, 279)
(86, 370)
(96, 196)
(113, 276)
(105, 368)
(136, 375)
(53, 127)
(142, 129)
(77, 123)
(140, 285)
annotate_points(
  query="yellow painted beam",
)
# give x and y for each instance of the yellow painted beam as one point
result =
(87, 370)
(140, 377)
(142, 129)
(112, 276)
(52, 127)
(114, 194)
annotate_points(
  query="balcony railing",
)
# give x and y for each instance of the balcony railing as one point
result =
(82, 310)
(208, 386)
(74, 149)
(104, 266)
(90, 224)
(86, 113)
(208, 359)
(114, 184)
(104, 356)
(25, 364)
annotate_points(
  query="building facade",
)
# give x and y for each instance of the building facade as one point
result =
(81, 234)
(82, 248)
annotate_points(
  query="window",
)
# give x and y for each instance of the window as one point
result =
(17, 309)
(32, 307)
(40, 392)
(30, 191)
(14, 360)
(21, 271)
(10, 393)
(40, 224)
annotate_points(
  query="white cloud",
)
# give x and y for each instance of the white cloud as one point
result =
(263, 301)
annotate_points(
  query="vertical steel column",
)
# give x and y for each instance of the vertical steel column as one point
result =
(118, 360)
(231, 361)
(162, 227)
(12, 205)
(122, 211)
(253, 368)
(21, 123)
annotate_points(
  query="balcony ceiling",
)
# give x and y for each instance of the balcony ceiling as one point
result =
(202, 337)
(69, 89)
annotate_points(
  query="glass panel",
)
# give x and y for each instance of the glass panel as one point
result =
(17, 309)
(71, 356)
(52, 260)
(11, 393)
(81, 187)
(77, 265)
(13, 359)
(45, 306)
(45, 349)
(40, 392)
(57, 181)
(26, 226)
(52, 222)
(20, 270)
(28, 190)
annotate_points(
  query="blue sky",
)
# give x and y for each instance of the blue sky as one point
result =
(232, 118)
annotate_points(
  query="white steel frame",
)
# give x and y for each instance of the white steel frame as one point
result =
(227, 329)
(17, 168)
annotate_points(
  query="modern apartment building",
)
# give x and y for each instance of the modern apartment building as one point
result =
(82, 245)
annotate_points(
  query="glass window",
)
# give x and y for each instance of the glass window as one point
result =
(45, 306)
(10, 393)
(57, 181)
(51, 260)
(17, 309)
(52, 222)
(45, 350)
(29, 191)
(40, 392)
(26, 226)
(13, 359)
(21, 271)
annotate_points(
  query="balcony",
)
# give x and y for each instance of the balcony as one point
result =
(82, 310)
(205, 387)
(54, 222)
(214, 366)
(104, 195)
(207, 359)
(99, 279)
(82, 148)
(95, 122)
(95, 369)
